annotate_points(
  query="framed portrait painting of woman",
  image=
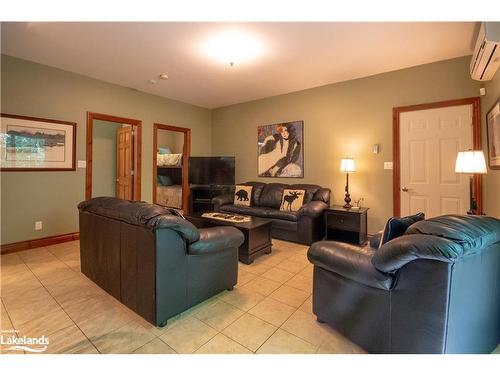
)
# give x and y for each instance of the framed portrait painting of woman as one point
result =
(281, 149)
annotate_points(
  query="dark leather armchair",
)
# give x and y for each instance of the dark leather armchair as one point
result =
(155, 263)
(436, 289)
(304, 226)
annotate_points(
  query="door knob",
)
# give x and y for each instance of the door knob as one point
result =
(405, 189)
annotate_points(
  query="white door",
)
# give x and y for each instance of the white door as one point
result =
(429, 142)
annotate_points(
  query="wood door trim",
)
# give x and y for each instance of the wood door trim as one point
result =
(186, 152)
(475, 102)
(137, 125)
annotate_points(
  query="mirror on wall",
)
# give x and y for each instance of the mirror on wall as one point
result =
(170, 169)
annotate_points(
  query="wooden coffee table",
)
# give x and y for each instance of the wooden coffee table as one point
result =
(257, 234)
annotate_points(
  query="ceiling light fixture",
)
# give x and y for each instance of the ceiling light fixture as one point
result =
(163, 76)
(232, 47)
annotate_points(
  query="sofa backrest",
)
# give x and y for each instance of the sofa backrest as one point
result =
(446, 238)
(471, 232)
(143, 214)
(270, 195)
(256, 191)
(310, 190)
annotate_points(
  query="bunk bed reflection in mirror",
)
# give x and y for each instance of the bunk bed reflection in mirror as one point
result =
(168, 178)
(170, 170)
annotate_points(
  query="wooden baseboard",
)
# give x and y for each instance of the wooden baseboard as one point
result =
(39, 242)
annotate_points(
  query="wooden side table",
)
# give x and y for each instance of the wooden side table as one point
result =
(346, 225)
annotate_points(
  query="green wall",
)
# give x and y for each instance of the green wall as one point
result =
(37, 90)
(492, 179)
(104, 158)
(342, 119)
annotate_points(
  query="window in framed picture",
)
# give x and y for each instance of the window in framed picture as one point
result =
(36, 144)
(493, 132)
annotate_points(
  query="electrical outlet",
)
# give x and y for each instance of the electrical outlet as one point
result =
(38, 225)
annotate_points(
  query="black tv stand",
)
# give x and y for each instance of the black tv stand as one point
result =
(201, 196)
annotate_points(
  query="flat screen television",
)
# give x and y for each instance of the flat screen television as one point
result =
(211, 170)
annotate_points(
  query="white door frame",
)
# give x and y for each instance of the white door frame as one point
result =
(476, 139)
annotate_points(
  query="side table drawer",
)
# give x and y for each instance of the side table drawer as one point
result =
(341, 221)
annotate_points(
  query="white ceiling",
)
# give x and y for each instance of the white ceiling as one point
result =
(295, 56)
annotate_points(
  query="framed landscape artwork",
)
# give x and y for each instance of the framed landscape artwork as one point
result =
(281, 149)
(493, 131)
(36, 144)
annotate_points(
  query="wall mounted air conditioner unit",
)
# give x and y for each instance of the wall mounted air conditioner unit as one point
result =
(486, 57)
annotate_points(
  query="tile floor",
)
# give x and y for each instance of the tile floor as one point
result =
(269, 311)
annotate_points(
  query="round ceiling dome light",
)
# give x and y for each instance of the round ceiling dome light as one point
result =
(232, 47)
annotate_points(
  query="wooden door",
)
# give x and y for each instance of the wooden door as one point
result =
(429, 142)
(124, 163)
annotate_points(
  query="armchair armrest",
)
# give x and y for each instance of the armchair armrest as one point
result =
(312, 209)
(402, 250)
(350, 261)
(322, 195)
(375, 240)
(216, 239)
(221, 200)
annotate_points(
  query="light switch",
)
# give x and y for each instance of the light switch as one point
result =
(387, 164)
(82, 164)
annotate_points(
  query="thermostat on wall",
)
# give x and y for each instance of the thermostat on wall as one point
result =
(82, 164)
(387, 164)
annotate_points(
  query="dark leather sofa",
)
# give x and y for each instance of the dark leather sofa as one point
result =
(156, 263)
(304, 226)
(435, 289)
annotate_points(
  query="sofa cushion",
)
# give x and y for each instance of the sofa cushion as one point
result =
(271, 195)
(242, 195)
(292, 200)
(242, 210)
(310, 190)
(264, 212)
(257, 188)
(396, 226)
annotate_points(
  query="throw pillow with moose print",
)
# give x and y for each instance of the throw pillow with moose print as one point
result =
(292, 200)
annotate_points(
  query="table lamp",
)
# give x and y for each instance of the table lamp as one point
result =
(471, 162)
(347, 165)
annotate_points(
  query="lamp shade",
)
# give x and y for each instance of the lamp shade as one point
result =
(347, 165)
(470, 162)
